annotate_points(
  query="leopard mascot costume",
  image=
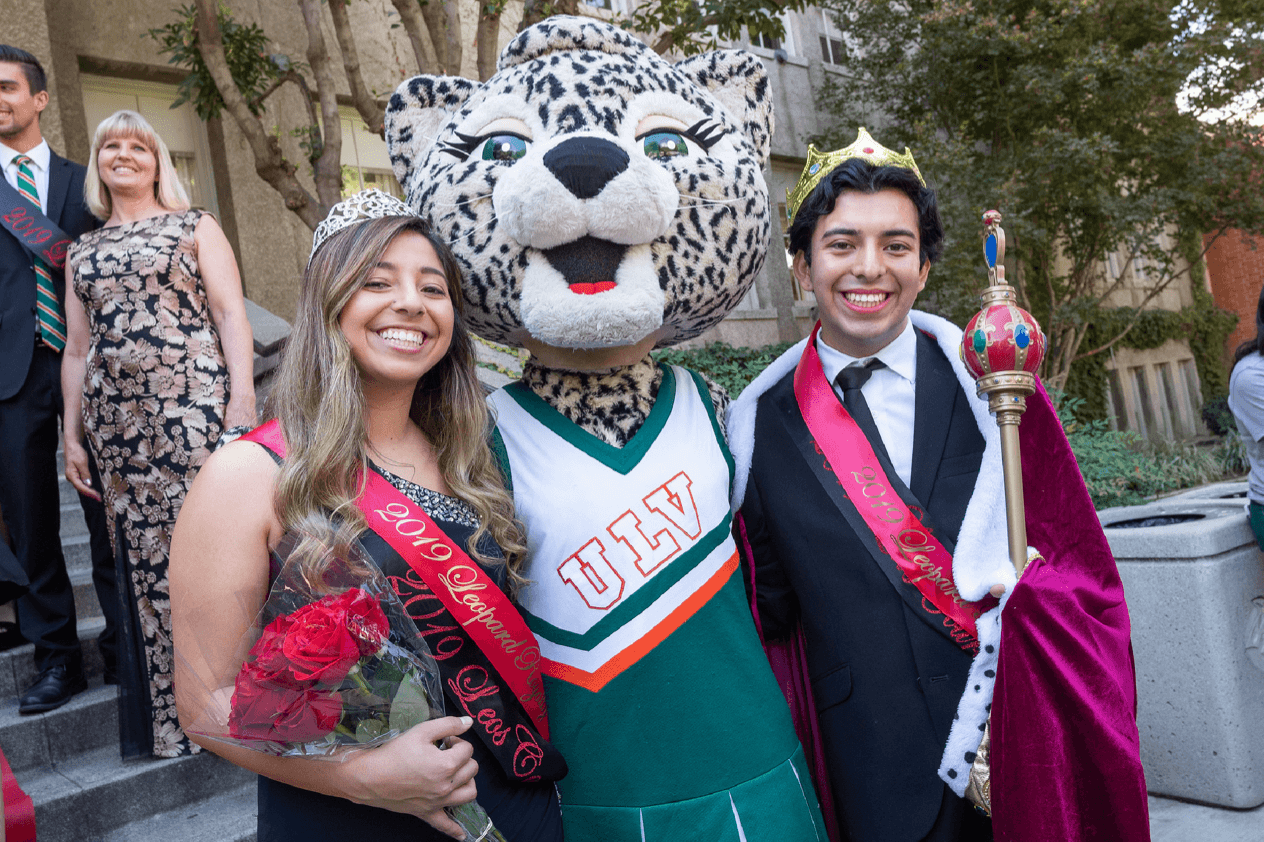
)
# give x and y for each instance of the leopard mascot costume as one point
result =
(603, 202)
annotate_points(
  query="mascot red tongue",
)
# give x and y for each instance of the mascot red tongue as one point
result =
(603, 201)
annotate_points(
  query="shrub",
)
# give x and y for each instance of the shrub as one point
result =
(1218, 417)
(731, 366)
(1121, 468)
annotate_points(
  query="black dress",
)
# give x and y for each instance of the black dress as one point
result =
(522, 812)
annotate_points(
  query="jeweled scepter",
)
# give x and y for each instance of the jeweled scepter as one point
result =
(1002, 348)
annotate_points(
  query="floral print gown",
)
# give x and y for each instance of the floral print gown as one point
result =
(154, 394)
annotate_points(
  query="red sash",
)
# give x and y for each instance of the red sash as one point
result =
(19, 810)
(922, 559)
(466, 591)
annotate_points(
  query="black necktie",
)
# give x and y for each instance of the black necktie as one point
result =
(850, 379)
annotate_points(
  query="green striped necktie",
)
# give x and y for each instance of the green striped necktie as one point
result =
(49, 321)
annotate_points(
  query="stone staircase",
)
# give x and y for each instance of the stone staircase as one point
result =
(68, 760)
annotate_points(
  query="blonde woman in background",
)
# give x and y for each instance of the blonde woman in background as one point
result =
(158, 363)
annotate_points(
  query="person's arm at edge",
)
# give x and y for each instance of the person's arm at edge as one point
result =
(74, 361)
(227, 306)
(218, 579)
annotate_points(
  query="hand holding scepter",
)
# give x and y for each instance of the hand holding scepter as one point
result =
(1002, 348)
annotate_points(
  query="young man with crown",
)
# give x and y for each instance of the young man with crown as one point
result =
(872, 518)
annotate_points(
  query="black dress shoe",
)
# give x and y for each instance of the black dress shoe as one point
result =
(52, 689)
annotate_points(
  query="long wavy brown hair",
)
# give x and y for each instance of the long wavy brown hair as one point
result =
(319, 401)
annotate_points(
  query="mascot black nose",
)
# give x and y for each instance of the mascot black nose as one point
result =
(585, 165)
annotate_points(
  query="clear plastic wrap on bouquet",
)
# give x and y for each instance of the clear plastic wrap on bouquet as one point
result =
(332, 664)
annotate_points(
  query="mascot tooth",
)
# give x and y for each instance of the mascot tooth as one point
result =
(602, 202)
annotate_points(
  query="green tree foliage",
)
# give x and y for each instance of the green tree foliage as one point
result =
(1121, 468)
(691, 26)
(1074, 119)
(234, 66)
(246, 48)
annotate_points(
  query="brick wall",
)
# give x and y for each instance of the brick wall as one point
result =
(1235, 271)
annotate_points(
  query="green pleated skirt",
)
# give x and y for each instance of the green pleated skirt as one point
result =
(777, 806)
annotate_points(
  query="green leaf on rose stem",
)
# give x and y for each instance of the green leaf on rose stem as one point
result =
(387, 674)
(369, 730)
(411, 705)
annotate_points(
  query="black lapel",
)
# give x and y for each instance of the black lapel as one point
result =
(58, 186)
(787, 410)
(933, 407)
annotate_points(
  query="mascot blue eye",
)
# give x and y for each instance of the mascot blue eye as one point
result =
(504, 147)
(662, 145)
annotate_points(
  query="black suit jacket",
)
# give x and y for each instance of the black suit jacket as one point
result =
(886, 675)
(17, 276)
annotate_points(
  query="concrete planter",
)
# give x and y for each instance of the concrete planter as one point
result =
(1194, 580)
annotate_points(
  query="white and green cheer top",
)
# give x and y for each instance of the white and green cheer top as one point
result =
(659, 693)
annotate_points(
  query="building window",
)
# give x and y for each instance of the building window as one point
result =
(1145, 421)
(618, 6)
(768, 42)
(365, 160)
(355, 179)
(179, 128)
(1171, 399)
(1118, 409)
(831, 41)
(1189, 372)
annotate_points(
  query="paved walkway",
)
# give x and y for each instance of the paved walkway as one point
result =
(1178, 821)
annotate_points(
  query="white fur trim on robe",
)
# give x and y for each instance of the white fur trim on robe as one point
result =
(981, 559)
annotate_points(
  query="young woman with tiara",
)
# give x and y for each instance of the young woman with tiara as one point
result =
(377, 399)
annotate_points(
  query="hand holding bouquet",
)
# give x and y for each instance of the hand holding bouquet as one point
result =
(337, 666)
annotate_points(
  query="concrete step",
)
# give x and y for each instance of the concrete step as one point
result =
(87, 606)
(92, 794)
(77, 552)
(228, 817)
(72, 523)
(89, 721)
(17, 665)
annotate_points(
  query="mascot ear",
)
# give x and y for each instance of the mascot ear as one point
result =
(739, 81)
(418, 108)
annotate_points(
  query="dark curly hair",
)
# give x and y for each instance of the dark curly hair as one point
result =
(862, 176)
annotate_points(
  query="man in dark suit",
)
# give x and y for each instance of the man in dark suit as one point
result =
(30, 391)
(888, 641)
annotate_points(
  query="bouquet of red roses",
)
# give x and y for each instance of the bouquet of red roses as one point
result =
(337, 665)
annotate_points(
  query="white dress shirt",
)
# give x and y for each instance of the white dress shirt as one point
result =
(890, 393)
(40, 157)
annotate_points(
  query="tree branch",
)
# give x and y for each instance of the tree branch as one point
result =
(487, 42)
(270, 164)
(443, 20)
(325, 149)
(415, 26)
(372, 113)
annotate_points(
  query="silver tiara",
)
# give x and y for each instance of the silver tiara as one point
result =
(367, 204)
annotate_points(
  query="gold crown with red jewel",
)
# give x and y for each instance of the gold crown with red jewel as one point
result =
(821, 164)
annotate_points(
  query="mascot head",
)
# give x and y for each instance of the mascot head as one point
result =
(595, 194)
